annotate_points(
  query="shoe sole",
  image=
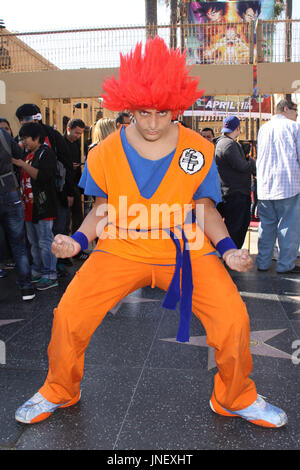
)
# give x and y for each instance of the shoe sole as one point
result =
(44, 416)
(47, 287)
(258, 422)
(28, 297)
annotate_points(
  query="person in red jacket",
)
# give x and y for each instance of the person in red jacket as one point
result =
(152, 181)
(38, 183)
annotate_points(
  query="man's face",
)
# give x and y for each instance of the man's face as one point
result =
(31, 144)
(207, 135)
(126, 120)
(152, 124)
(75, 133)
(237, 132)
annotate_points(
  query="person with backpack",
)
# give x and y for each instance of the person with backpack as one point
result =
(12, 213)
(38, 183)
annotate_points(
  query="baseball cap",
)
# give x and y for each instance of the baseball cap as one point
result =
(230, 124)
(28, 112)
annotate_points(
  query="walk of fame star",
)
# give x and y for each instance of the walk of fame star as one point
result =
(294, 298)
(276, 297)
(257, 345)
(6, 322)
(2, 344)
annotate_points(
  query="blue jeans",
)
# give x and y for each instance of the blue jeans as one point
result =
(60, 223)
(279, 218)
(12, 220)
(40, 237)
(5, 252)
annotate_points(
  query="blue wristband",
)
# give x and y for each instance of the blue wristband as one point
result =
(224, 245)
(81, 238)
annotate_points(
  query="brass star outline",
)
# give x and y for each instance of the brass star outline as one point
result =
(294, 298)
(258, 345)
(130, 299)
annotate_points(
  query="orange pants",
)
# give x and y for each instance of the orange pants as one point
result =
(105, 279)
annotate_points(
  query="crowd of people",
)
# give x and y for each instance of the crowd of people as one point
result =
(271, 181)
(40, 196)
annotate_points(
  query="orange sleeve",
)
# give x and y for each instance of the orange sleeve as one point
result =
(95, 164)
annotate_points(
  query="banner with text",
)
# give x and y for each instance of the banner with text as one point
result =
(220, 33)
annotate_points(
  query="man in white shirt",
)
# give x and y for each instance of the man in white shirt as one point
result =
(278, 188)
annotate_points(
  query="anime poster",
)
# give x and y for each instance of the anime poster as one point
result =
(219, 34)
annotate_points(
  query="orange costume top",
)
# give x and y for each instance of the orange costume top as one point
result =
(161, 229)
(134, 220)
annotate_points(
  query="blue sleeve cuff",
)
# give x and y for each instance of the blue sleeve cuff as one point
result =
(225, 244)
(82, 239)
(88, 184)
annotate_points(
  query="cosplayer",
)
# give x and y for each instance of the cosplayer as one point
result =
(154, 163)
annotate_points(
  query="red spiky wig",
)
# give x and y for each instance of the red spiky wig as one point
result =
(157, 79)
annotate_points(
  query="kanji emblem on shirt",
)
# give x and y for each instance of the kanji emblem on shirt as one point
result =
(191, 161)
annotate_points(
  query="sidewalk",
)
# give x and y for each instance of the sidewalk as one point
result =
(142, 389)
(251, 239)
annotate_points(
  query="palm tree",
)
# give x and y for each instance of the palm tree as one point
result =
(288, 35)
(177, 8)
(173, 23)
(288, 31)
(151, 18)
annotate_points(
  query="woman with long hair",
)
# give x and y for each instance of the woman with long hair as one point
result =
(103, 128)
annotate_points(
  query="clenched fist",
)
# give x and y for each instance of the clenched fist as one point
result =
(65, 247)
(238, 260)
